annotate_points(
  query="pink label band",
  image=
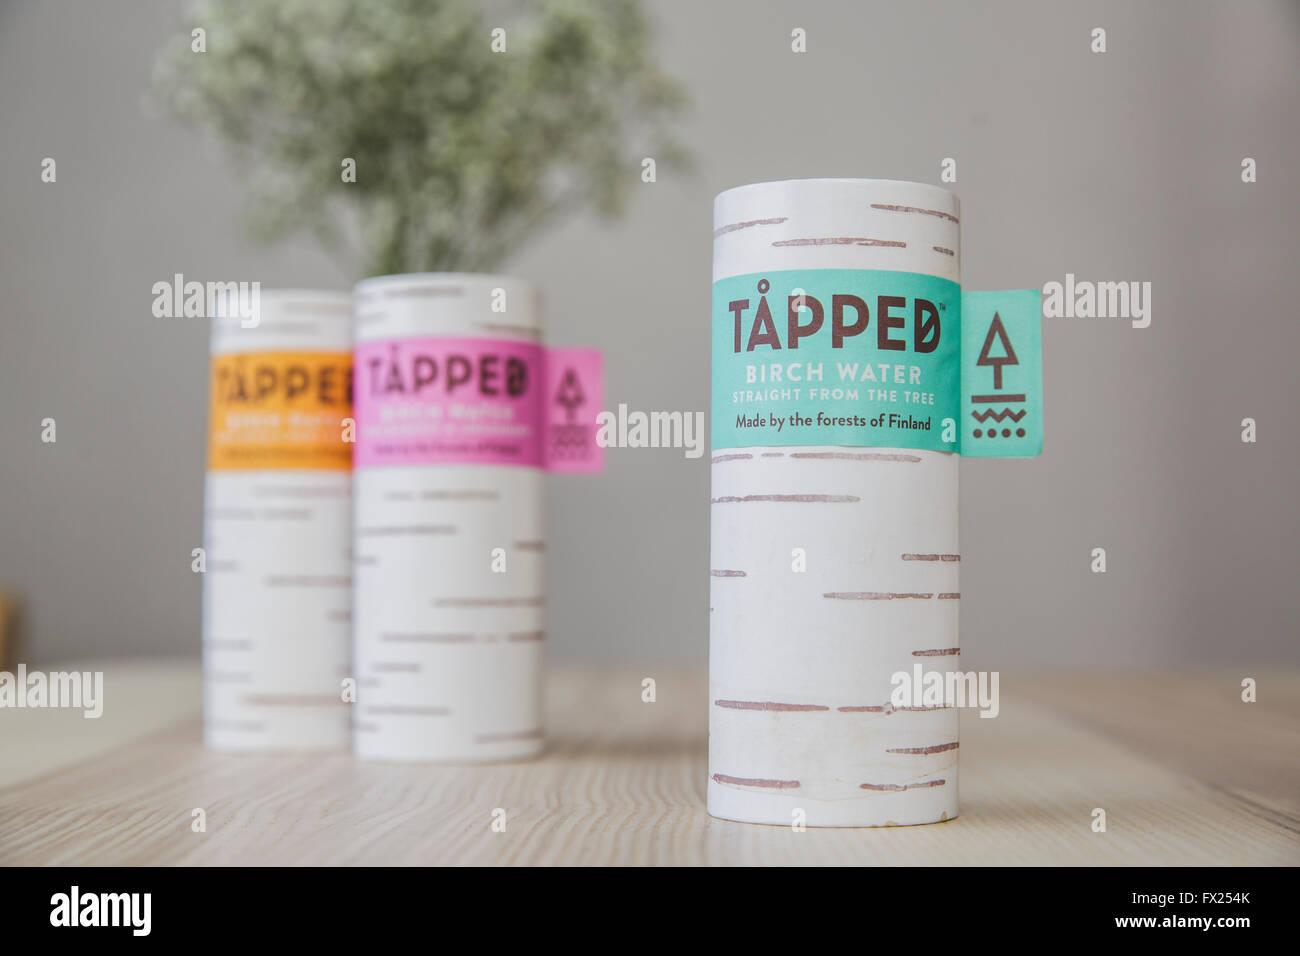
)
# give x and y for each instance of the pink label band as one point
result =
(477, 401)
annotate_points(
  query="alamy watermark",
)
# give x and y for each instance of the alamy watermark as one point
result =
(1083, 299)
(71, 690)
(633, 429)
(129, 910)
(922, 689)
(179, 299)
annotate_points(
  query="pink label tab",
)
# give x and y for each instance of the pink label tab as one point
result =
(476, 401)
(575, 394)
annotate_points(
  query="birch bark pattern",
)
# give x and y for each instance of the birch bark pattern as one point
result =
(448, 647)
(277, 595)
(800, 662)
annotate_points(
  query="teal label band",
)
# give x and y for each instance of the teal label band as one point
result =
(848, 357)
(863, 358)
(1002, 374)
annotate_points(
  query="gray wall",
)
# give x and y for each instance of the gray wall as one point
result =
(1116, 166)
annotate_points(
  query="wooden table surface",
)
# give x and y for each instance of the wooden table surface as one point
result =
(1186, 772)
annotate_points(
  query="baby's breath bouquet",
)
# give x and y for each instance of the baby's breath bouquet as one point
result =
(468, 125)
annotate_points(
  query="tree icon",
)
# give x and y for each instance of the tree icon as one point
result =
(570, 394)
(1008, 357)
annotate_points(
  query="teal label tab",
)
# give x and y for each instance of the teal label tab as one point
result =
(850, 357)
(865, 357)
(1002, 374)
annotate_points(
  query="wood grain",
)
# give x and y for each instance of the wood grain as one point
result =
(623, 781)
(1198, 725)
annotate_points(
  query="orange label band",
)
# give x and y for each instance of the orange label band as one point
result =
(280, 410)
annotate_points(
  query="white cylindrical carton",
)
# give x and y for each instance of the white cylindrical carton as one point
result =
(277, 593)
(834, 566)
(449, 534)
